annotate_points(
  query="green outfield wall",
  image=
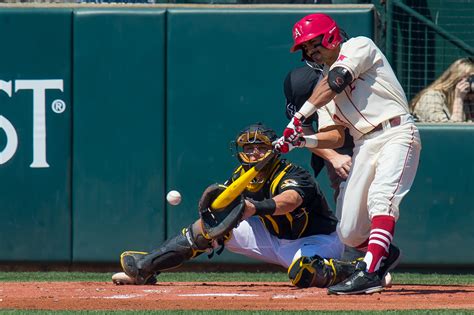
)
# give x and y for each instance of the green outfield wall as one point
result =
(105, 109)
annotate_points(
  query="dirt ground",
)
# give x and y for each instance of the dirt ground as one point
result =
(223, 295)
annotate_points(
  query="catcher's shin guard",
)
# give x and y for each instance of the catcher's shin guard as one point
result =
(318, 272)
(141, 266)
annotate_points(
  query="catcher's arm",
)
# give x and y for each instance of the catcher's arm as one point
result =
(285, 202)
(235, 189)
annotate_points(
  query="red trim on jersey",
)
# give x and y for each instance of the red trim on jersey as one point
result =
(404, 168)
(347, 120)
(355, 107)
(341, 58)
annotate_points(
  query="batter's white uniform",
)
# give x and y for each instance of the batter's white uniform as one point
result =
(253, 240)
(386, 141)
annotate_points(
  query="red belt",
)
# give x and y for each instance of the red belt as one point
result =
(393, 122)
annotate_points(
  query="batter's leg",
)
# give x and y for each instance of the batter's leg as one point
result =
(395, 172)
(354, 224)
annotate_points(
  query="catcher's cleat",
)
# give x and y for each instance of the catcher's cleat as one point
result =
(130, 264)
(360, 282)
(389, 263)
(121, 278)
(318, 272)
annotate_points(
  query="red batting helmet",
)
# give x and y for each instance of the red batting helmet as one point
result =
(314, 25)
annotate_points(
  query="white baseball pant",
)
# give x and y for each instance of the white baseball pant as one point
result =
(384, 166)
(253, 240)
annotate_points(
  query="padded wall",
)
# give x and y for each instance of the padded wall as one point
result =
(35, 131)
(119, 106)
(435, 225)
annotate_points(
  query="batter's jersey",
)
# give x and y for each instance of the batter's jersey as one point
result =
(298, 87)
(312, 217)
(375, 95)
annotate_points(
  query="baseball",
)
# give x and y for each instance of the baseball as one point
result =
(387, 281)
(173, 197)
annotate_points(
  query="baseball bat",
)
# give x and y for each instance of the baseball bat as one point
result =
(237, 187)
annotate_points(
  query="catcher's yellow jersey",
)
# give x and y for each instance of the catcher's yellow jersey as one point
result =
(312, 217)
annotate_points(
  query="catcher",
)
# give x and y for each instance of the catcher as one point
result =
(281, 218)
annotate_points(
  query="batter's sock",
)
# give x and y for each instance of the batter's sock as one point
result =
(381, 235)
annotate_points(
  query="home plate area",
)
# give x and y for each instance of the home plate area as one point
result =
(223, 296)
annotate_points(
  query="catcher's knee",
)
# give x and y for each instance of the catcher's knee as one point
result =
(307, 272)
(316, 271)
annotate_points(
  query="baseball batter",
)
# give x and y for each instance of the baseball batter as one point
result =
(360, 92)
(284, 220)
(298, 87)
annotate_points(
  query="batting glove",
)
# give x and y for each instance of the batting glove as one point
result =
(283, 146)
(293, 131)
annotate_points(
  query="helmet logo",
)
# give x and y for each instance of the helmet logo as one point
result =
(297, 32)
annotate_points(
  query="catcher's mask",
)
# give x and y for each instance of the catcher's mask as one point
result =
(253, 144)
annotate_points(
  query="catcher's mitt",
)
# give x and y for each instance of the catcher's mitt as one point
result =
(216, 224)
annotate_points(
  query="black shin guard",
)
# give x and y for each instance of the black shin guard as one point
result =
(174, 252)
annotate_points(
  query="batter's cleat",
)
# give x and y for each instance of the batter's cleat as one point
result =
(360, 282)
(386, 281)
(121, 278)
(130, 262)
(389, 263)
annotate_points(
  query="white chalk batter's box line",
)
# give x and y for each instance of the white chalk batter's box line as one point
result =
(132, 296)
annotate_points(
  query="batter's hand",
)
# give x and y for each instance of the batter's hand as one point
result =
(283, 146)
(293, 131)
(342, 165)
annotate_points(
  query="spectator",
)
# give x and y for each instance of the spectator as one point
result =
(450, 98)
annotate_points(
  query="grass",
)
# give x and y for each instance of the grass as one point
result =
(398, 277)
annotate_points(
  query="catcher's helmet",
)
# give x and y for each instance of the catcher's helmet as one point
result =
(314, 25)
(254, 134)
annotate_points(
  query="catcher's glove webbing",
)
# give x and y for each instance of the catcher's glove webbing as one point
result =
(217, 224)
